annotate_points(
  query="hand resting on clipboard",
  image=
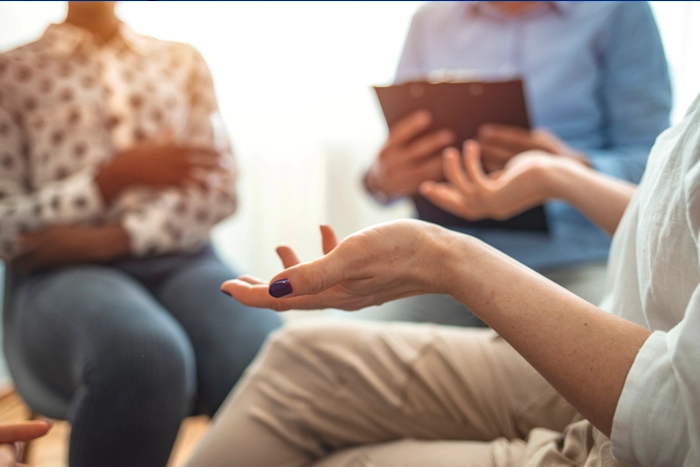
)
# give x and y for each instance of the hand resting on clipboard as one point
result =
(463, 108)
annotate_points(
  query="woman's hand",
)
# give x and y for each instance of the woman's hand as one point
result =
(12, 433)
(407, 158)
(474, 195)
(62, 245)
(159, 166)
(381, 263)
(500, 143)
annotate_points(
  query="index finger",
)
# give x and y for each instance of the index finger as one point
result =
(408, 127)
(258, 296)
(328, 238)
(25, 431)
(204, 158)
(504, 134)
(454, 172)
(288, 256)
(472, 162)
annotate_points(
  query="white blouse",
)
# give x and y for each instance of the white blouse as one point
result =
(69, 104)
(654, 281)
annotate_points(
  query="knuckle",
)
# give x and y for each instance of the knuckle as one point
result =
(318, 280)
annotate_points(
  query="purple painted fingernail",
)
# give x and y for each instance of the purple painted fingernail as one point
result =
(280, 288)
(224, 292)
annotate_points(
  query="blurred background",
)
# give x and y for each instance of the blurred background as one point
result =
(294, 84)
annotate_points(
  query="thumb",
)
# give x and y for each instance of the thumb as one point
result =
(309, 278)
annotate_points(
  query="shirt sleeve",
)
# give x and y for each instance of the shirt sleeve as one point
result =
(657, 420)
(411, 65)
(180, 220)
(635, 91)
(70, 201)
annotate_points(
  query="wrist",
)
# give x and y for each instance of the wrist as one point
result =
(375, 184)
(582, 158)
(555, 179)
(454, 253)
(372, 186)
(108, 182)
(108, 243)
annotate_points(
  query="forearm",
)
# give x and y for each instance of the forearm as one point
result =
(599, 197)
(74, 200)
(109, 184)
(108, 243)
(584, 352)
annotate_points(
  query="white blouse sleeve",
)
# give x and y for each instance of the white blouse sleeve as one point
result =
(657, 421)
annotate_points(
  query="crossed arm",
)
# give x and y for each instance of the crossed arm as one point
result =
(584, 352)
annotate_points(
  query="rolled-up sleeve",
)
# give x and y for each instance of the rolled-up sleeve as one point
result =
(72, 200)
(658, 412)
(657, 420)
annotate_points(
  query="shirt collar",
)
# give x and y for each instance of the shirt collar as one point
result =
(476, 7)
(64, 38)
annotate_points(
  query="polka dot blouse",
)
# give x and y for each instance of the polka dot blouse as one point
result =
(69, 104)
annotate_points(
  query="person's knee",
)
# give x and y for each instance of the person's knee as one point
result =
(302, 348)
(155, 366)
(307, 338)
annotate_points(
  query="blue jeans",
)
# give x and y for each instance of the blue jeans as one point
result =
(135, 346)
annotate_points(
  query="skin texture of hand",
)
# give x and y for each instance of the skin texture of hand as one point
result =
(64, 245)
(500, 143)
(472, 194)
(378, 264)
(406, 160)
(12, 433)
(158, 166)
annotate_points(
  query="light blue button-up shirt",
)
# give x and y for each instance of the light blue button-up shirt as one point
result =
(595, 75)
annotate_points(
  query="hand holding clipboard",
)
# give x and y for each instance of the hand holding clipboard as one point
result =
(458, 109)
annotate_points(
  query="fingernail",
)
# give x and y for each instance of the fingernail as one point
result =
(280, 288)
(224, 292)
(48, 422)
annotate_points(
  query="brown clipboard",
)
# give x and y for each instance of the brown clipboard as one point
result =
(463, 107)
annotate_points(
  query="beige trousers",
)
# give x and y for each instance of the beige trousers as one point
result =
(359, 394)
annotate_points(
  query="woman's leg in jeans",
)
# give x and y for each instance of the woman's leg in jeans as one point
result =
(225, 335)
(320, 388)
(97, 337)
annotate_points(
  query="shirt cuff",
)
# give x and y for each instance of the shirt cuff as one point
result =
(150, 229)
(80, 198)
(143, 234)
(647, 409)
(628, 167)
(603, 162)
